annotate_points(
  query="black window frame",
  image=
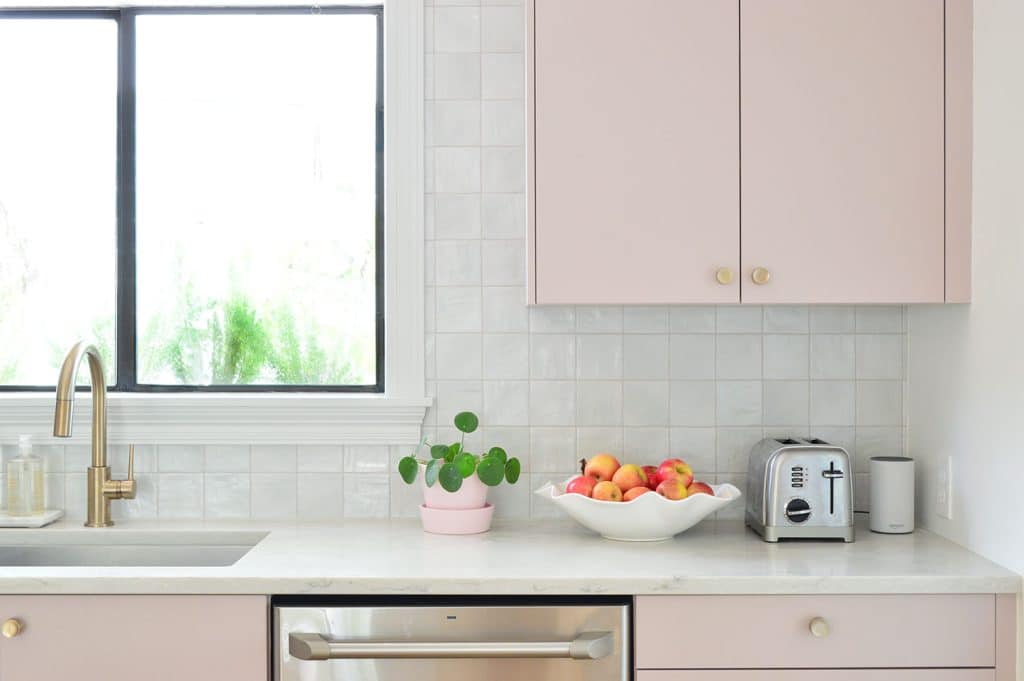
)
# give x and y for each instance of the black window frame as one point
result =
(125, 336)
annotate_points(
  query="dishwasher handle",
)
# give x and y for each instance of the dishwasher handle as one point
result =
(590, 645)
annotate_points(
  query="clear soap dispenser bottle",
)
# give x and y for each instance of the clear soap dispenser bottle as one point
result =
(24, 474)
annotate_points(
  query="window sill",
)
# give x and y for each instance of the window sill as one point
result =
(218, 418)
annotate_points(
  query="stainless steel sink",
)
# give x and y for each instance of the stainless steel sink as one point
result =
(125, 548)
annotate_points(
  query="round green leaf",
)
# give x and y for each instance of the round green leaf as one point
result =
(466, 463)
(450, 477)
(498, 453)
(438, 451)
(455, 448)
(466, 421)
(512, 470)
(491, 471)
(433, 468)
(407, 468)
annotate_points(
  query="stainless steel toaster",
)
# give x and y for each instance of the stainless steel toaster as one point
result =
(800, 489)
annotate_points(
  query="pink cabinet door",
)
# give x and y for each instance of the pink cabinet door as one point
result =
(156, 638)
(765, 632)
(842, 140)
(634, 150)
(822, 675)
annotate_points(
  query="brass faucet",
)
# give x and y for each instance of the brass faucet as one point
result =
(101, 487)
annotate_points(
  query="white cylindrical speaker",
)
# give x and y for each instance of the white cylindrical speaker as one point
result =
(892, 494)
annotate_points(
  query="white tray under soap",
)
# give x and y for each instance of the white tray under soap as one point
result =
(45, 518)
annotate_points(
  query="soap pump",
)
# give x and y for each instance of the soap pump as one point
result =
(26, 494)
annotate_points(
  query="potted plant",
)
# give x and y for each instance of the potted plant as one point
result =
(455, 482)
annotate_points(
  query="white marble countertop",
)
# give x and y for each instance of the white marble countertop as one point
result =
(397, 557)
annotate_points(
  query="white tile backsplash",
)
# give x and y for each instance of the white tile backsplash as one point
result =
(645, 356)
(553, 384)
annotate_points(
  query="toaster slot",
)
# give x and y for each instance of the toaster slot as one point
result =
(832, 474)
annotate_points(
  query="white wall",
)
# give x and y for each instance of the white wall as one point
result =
(966, 371)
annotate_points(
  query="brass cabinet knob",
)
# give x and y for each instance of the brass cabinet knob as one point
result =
(724, 276)
(819, 627)
(11, 628)
(760, 276)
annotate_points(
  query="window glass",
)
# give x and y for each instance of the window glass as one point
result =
(256, 168)
(58, 193)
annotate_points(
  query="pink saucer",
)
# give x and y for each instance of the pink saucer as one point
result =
(455, 520)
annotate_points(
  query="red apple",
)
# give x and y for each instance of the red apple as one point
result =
(698, 487)
(581, 484)
(630, 476)
(602, 467)
(636, 492)
(675, 468)
(652, 476)
(606, 490)
(673, 488)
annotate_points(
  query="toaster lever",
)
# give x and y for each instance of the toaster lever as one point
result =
(832, 474)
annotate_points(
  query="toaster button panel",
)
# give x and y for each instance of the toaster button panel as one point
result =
(797, 476)
(798, 510)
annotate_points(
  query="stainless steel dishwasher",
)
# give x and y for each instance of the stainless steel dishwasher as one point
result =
(558, 639)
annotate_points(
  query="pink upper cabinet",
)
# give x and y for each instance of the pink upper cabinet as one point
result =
(634, 150)
(842, 110)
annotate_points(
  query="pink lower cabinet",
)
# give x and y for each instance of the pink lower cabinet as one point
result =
(971, 636)
(156, 638)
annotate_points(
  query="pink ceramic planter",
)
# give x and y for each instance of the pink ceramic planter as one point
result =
(472, 494)
(462, 512)
(456, 520)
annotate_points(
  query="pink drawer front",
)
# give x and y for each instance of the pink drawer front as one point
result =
(763, 632)
(821, 675)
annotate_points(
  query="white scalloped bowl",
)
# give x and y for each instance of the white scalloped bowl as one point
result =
(649, 517)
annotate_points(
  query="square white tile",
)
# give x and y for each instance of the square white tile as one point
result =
(832, 356)
(458, 76)
(457, 216)
(646, 403)
(598, 403)
(552, 403)
(599, 356)
(786, 356)
(506, 355)
(506, 403)
(692, 403)
(739, 403)
(738, 356)
(552, 356)
(459, 309)
(503, 29)
(646, 356)
(273, 459)
(503, 262)
(692, 356)
(504, 310)
(504, 216)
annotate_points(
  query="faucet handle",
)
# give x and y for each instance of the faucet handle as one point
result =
(123, 489)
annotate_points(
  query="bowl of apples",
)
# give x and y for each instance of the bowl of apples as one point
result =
(638, 503)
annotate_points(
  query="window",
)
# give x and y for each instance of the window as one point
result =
(199, 192)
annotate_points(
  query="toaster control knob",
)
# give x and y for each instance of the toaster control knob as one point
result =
(798, 510)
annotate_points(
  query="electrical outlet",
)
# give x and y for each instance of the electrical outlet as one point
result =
(944, 490)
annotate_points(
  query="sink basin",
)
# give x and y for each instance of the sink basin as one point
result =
(125, 548)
